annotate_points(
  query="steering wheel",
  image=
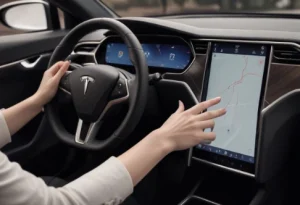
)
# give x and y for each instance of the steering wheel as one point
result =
(96, 88)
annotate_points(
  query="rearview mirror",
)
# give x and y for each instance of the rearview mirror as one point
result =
(25, 15)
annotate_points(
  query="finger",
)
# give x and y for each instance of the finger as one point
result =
(207, 136)
(53, 69)
(63, 69)
(203, 106)
(180, 107)
(206, 142)
(211, 114)
(207, 124)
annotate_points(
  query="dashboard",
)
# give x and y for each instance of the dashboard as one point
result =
(163, 53)
(250, 62)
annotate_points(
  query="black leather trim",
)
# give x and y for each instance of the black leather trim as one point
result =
(169, 99)
(278, 140)
(21, 46)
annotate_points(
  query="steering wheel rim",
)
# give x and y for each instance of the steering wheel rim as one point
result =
(137, 89)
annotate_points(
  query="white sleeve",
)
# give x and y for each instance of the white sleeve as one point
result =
(5, 137)
(108, 184)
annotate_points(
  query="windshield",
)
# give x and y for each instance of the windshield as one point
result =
(127, 8)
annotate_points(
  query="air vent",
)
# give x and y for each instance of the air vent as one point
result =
(286, 54)
(85, 47)
(200, 47)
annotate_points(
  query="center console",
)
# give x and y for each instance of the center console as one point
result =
(255, 138)
(238, 73)
(218, 188)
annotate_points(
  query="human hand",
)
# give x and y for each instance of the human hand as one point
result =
(50, 82)
(185, 129)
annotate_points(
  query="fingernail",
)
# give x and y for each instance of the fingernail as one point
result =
(206, 142)
(222, 110)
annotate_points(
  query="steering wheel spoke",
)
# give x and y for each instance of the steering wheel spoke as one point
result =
(64, 84)
(86, 131)
(120, 92)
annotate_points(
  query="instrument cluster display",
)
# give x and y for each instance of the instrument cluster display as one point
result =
(168, 56)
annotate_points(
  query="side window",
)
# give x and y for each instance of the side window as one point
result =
(4, 30)
(39, 16)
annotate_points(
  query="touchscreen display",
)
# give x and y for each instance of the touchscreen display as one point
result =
(158, 55)
(236, 75)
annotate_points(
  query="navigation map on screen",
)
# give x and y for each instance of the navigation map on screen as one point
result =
(236, 75)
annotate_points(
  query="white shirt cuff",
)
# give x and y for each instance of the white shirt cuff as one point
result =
(5, 136)
(110, 182)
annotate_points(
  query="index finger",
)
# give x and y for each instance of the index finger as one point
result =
(212, 114)
(54, 68)
(63, 69)
(197, 109)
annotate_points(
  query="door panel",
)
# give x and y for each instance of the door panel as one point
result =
(23, 60)
(16, 84)
(19, 47)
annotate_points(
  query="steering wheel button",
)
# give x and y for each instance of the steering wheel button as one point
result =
(120, 90)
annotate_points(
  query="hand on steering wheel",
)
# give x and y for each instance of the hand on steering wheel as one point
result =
(50, 82)
(95, 88)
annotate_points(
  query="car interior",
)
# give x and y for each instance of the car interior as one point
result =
(126, 77)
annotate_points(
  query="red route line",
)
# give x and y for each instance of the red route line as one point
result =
(239, 81)
(232, 86)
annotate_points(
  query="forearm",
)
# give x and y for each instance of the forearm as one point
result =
(145, 155)
(109, 183)
(20, 114)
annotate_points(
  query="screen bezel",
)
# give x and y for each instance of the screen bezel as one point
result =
(101, 52)
(224, 161)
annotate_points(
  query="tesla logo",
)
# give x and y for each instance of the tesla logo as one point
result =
(87, 80)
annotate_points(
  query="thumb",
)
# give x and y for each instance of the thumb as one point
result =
(180, 107)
